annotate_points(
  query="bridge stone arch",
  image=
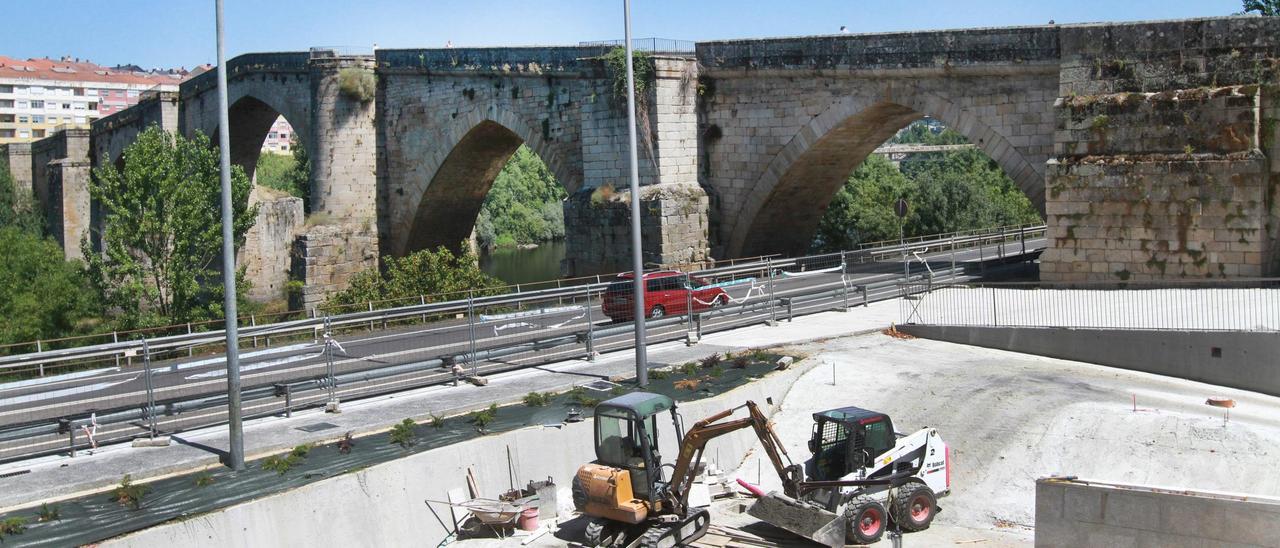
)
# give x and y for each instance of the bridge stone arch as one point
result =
(783, 207)
(254, 101)
(458, 165)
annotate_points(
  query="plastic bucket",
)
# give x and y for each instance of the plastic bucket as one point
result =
(528, 519)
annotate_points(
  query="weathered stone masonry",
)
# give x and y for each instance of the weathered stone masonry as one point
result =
(1151, 147)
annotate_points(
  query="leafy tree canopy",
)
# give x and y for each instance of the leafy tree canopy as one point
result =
(523, 206)
(17, 207)
(288, 173)
(162, 235)
(430, 273)
(1268, 8)
(42, 295)
(948, 191)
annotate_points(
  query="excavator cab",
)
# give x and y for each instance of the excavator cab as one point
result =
(627, 438)
(845, 440)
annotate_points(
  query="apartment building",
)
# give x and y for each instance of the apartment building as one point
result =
(279, 137)
(39, 96)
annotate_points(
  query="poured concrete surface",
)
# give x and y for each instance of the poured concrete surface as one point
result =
(1012, 418)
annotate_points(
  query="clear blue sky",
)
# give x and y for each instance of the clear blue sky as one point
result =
(172, 33)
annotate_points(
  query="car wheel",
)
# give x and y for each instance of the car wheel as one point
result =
(720, 300)
(657, 312)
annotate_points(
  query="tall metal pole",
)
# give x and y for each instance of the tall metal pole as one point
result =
(637, 258)
(235, 443)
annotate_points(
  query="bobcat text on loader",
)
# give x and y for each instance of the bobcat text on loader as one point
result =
(861, 476)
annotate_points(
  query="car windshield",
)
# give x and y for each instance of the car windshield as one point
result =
(698, 283)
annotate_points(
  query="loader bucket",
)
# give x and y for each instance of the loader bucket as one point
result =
(804, 519)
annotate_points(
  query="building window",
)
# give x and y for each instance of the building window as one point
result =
(93, 106)
(37, 133)
(66, 106)
(37, 119)
(133, 93)
(23, 119)
(79, 119)
(92, 92)
(6, 118)
(6, 89)
(24, 134)
(36, 90)
(78, 92)
(6, 103)
(6, 133)
(23, 104)
(37, 104)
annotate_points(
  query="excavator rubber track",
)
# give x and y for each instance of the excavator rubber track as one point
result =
(682, 533)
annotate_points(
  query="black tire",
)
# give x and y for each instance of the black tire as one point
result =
(579, 495)
(720, 301)
(914, 507)
(867, 521)
(657, 312)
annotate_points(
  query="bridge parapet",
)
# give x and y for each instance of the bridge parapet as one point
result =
(242, 65)
(931, 52)
(557, 60)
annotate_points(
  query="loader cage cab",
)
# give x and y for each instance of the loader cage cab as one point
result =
(627, 438)
(845, 440)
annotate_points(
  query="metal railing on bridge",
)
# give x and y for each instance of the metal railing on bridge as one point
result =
(1239, 304)
(652, 45)
(175, 383)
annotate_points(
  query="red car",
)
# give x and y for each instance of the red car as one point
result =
(666, 292)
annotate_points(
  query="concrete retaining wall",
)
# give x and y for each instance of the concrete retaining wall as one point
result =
(1242, 360)
(1083, 513)
(383, 505)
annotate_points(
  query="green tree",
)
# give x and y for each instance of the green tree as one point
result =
(862, 210)
(291, 174)
(42, 295)
(1268, 8)
(523, 206)
(162, 235)
(427, 272)
(17, 207)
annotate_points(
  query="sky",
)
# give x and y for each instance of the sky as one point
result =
(174, 33)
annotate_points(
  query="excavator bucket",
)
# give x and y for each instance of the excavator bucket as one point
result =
(809, 521)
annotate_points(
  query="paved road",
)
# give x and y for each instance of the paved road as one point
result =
(372, 349)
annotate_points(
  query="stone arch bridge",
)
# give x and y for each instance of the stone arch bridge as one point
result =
(1150, 147)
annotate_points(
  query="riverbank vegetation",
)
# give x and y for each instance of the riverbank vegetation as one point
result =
(946, 191)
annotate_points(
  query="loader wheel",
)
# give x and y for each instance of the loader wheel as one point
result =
(867, 521)
(914, 507)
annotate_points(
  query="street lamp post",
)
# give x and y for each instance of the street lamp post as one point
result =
(235, 442)
(637, 258)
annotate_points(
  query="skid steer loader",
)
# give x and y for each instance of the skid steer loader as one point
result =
(861, 477)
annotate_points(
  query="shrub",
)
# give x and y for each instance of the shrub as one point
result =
(346, 444)
(358, 83)
(482, 418)
(689, 369)
(741, 362)
(437, 421)
(579, 396)
(659, 374)
(205, 479)
(300, 451)
(403, 434)
(12, 526)
(537, 399)
(711, 361)
(717, 371)
(281, 463)
(49, 512)
(130, 494)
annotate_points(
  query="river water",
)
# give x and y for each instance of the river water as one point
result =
(522, 266)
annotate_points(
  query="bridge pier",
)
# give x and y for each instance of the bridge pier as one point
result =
(674, 207)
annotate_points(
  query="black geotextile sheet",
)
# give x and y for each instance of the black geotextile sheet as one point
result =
(100, 516)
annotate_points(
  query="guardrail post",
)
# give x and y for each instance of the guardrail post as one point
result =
(471, 330)
(591, 329)
(151, 394)
(1022, 238)
(866, 300)
(332, 381)
(982, 266)
(40, 348)
(688, 311)
(71, 440)
(786, 301)
(191, 350)
(253, 322)
(115, 338)
(773, 306)
(1001, 248)
(284, 389)
(422, 300)
(953, 255)
(844, 293)
(370, 319)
